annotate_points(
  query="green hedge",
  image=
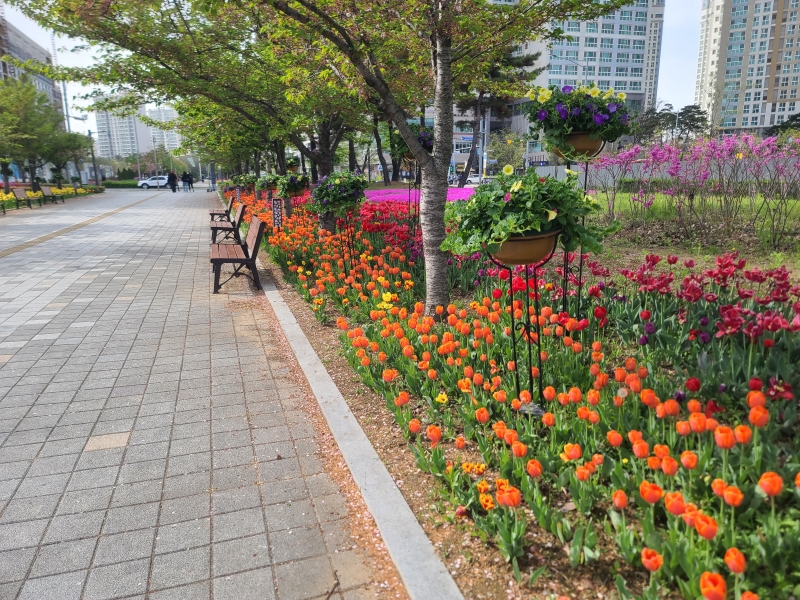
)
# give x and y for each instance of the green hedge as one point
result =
(127, 183)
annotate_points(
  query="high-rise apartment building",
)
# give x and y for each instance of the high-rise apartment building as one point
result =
(748, 63)
(168, 138)
(121, 136)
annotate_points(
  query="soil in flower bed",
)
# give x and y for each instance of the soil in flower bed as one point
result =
(476, 565)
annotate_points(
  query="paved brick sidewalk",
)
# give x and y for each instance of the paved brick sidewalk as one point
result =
(150, 443)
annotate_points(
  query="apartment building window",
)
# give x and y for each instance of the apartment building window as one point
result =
(789, 42)
(573, 26)
(604, 72)
(783, 94)
(571, 82)
(784, 82)
(557, 54)
(638, 58)
(571, 70)
(754, 34)
(635, 86)
(624, 44)
(641, 4)
(623, 57)
(621, 86)
(604, 84)
(756, 107)
(740, 12)
(735, 48)
(572, 54)
(574, 41)
(555, 69)
(793, 93)
(624, 29)
(751, 60)
(757, 8)
(765, 33)
(739, 24)
(590, 71)
(558, 42)
(622, 72)
(762, 46)
(462, 147)
(591, 42)
(639, 30)
(790, 29)
(793, 4)
(753, 121)
(729, 122)
(794, 80)
(641, 16)
(636, 71)
(590, 56)
(792, 106)
(797, 54)
(626, 15)
(746, 109)
(750, 71)
(757, 97)
(605, 57)
(781, 119)
(733, 74)
(793, 16)
(608, 28)
(591, 28)
(786, 55)
(554, 82)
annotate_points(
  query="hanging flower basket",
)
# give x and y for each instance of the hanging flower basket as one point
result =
(580, 144)
(292, 169)
(527, 248)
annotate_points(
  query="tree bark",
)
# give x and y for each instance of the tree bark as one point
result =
(395, 169)
(381, 158)
(476, 127)
(6, 174)
(352, 162)
(257, 163)
(314, 170)
(327, 221)
(434, 180)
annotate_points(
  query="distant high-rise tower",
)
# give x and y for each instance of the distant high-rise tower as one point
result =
(748, 63)
(168, 138)
(121, 136)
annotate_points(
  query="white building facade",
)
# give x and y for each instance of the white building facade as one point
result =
(118, 137)
(167, 138)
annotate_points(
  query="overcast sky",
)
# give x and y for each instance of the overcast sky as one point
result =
(675, 85)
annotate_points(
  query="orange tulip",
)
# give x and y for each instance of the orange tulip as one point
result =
(797, 480)
(718, 487)
(674, 503)
(654, 462)
(672, 408)
(697, 421)
(682, 427)
(689, 514)
(460, 442)
(575, 395)
(759, 416)
(499, 429)
(582, 473)
(534, 468)
(694, 406)
(641, 449)
(509, 496)
(735, 560)
(634, 436)
(549, 419)
(669, 466)
(732, 496)
(713, 586)
(519, 449)
(756, 398)
(650, 492)
(482, 415)
(434, 434)
(597, 459)
(661, 450)
(573, 451)
(583, 412)
(706, 526)
(724, 437)
(651, 560)
(614, 438)
(743, 434)
(771, 483)
(749, 596)
(510, 436)
(711, 424)
(549, 393)
(689, 459)
(414, 426)
(620, 500)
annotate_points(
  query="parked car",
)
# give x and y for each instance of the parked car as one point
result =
(160, 181)
(474, 178)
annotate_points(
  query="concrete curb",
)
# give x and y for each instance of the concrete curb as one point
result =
(423, 573)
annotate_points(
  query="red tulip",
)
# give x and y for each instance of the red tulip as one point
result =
(620, 500)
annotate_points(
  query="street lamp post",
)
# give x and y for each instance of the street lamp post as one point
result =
(94, 163)
(575, 62)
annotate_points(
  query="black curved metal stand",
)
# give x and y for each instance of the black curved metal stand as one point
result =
(524, 330)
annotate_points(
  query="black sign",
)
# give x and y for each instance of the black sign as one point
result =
(277, 213)
(238, 194)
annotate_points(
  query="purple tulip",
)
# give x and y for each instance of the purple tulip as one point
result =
(722, 387)
(680, 396)
(703, 321)
(542, 115)
(649, 328)
(643, 340)
(704, 338)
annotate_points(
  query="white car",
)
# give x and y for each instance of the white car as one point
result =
(160, 181)
(474, 178)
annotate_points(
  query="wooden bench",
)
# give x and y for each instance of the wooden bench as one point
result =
(22, 194)
(48, 194)
(222, 214)
(230, 229)
(240, 255)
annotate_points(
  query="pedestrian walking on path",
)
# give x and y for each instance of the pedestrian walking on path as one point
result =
(190, 180)
(172, 181)
(185, 181)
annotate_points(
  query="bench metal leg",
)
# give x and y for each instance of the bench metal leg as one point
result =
(254, 271)
(217, 268)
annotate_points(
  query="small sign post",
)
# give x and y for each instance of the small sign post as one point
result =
(277, 213)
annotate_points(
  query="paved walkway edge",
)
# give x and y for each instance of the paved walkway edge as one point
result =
(420, 568)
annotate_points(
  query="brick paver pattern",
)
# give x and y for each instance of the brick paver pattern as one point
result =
(151, 445)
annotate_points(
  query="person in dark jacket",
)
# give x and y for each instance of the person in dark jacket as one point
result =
(185, 181)
(172, 181)
(190, 180)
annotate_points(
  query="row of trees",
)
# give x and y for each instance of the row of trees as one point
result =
(32, 132)
(258, 76)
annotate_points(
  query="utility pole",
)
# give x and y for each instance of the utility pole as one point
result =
(94, 164)
(136, 140)
(155, 160)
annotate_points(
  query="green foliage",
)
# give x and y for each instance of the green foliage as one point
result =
(507, 147)
(559, 112)
(125, 183)
(292, 183)
(424, 136)
(512, 205)
(268, 180)
(338, 193)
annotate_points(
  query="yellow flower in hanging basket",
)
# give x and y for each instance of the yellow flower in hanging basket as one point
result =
(508, 170)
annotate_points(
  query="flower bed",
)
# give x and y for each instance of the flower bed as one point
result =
(669, 438)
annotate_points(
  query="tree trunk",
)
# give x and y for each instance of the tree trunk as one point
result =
(6, 173)
(352, 163)
(395, 169)
(314, 170)
(303, 163)
(327, 221)
(34, 185)
(434, 181)
(476, 128)
(257, 163)
(280, 158)
(381, 158)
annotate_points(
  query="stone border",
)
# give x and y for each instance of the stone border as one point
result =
(420, 568)
(50, 236)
